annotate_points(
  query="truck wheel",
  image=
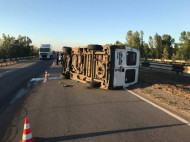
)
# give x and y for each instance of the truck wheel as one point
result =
(67, 75)
(95, 47)
(93, 84)
(67, 49)
(63, 76)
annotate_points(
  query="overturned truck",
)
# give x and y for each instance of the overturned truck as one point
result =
(107, 67)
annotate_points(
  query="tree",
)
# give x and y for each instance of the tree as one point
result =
(168, 43)
(34, 51)
(152, 53)
(158, 46)
(165, 54)
(7, 47)
(146, 50)
(176, 48)
(118, 43)
(129, 38)
(136, 40)
(11, 47)
(142, 44)
(133, 39)
(185, 45)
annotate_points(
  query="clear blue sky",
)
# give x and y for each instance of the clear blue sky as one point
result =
(83, 22)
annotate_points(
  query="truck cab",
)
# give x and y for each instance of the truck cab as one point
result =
(45, 51)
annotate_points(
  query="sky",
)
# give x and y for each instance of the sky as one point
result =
(82, 22)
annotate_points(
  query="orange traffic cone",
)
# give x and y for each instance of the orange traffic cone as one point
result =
(27, 134)
(46, 75)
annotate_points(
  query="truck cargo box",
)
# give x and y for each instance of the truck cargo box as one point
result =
(107, 67)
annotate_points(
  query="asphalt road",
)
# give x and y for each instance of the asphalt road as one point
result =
(15, 77)
(75, 113)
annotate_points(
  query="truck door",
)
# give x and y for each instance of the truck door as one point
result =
(131, 62)
(126, 67)
(119, 72)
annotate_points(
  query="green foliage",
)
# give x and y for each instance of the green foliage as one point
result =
(53, 52)
(11, 47)
(34, 51)
(118, 43)
(152, 53)
(165, 53)
(129, 38)
(168, 43)
(135, 40)
(173, 57)
(185, 45)
(142, 49)
(160, 46)
(146, 51)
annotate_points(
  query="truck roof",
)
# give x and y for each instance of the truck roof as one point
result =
(45, 46)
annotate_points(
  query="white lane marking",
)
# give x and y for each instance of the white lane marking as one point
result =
(19, 94)
(37, 79)
(45, 80)
(51, 78)
(8, 71)
(161, 108)
(23, 91)
(3, 73)
(54, 78)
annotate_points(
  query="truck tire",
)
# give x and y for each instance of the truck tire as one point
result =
(63, 76)
(93, 84)
(67, 75)
(95, 47)
(67, 49)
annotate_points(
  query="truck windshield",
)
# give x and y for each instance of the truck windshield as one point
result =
(131, 58)
(44, 49)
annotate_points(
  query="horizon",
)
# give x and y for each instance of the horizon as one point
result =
(79, 23)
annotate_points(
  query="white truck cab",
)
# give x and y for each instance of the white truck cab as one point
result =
(45, 51)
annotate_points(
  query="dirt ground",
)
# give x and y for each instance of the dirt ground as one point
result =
(161, 86)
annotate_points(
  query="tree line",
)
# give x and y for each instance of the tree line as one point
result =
(159, 47)
(12, 47)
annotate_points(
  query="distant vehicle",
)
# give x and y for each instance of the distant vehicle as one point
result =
(60, 56)
(45, 51)
(108, 67)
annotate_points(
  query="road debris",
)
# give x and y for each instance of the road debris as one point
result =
(67, 85)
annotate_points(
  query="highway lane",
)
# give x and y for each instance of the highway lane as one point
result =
(15, 77)
(75, 113)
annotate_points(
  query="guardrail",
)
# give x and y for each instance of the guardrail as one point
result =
(182, 62)
(170, 67)
(13, 60)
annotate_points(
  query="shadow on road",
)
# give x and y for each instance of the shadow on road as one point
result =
(87, 135)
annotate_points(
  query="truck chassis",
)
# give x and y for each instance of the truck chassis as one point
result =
(97, 65)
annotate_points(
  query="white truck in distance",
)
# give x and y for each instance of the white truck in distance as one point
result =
(45, 51)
